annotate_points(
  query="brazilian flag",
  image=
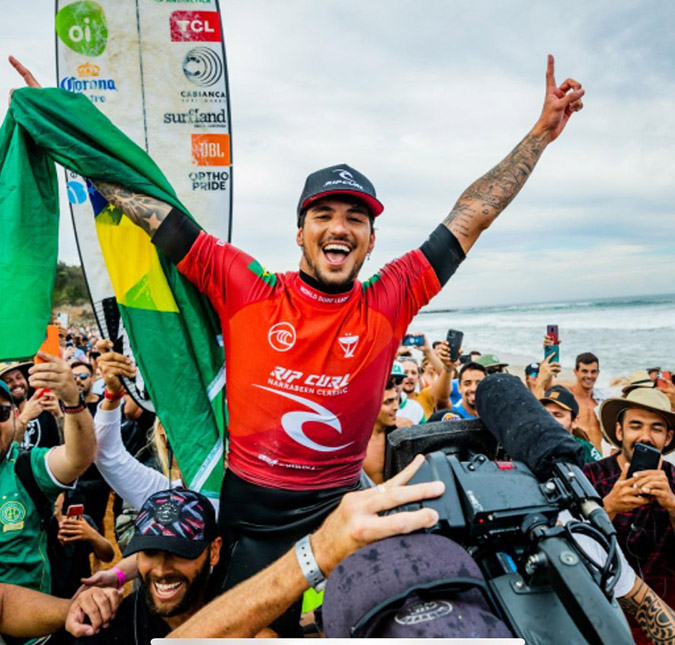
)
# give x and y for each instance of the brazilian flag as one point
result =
(172, 329)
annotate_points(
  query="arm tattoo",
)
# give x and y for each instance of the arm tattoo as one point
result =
(656, 619)
(143, 210)
(488, 196)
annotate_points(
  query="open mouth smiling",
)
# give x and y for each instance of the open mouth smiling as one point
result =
(336, 252)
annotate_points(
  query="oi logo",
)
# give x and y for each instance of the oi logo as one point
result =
(82, 27)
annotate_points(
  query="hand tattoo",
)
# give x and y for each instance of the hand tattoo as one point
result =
(145, 211)
(488, 196)
(655, 617)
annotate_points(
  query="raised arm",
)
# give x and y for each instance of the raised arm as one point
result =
(256, 602)
(68, 461)
(487, 197)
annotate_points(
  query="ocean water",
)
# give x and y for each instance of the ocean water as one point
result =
(626, 333)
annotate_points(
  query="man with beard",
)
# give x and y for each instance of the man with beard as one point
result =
(36, 424)
(642, 507)
(83, 374)
(177, 544)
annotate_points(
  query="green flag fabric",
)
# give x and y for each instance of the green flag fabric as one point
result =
(172, 329)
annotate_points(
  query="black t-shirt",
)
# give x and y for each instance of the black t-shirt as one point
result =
(134, 624)
(41, 432)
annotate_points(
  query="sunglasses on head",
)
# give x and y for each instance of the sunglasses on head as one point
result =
(82, 376)
(5, 412)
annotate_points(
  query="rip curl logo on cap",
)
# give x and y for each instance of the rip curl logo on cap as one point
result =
(346, 177)
(423, 612)
(281, 336)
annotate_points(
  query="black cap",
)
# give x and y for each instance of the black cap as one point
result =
(563, 397)
(178, 521)
(532, 369)
(339, 180)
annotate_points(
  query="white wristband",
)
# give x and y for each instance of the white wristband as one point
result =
(308, 565)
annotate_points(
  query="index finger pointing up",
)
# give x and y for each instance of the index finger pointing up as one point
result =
(550, 73)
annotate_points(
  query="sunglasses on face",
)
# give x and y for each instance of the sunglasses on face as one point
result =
(398, 379)
(83, 376)
(5, 412)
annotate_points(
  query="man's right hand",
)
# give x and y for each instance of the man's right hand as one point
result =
(113, 366)
(624, 496)
(356, 522)
(96, 604)
(33, 407)
(28, 78)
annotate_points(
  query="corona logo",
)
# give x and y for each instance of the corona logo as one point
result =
(88, 70)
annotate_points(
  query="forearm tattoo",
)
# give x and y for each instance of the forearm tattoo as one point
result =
(145, 211)
(488, 196)
(655, 617)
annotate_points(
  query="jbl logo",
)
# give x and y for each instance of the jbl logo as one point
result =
(211, 149)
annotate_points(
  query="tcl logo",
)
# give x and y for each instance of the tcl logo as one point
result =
(211, 149)
(193, 26)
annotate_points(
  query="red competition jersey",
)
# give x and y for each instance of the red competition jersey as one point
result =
(305, 370)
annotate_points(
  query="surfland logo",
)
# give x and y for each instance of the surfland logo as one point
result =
(202, 67)
(197, 118)
(82, 27)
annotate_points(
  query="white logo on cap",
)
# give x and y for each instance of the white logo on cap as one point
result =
(281, 336)
(345, 174)
(423, 612)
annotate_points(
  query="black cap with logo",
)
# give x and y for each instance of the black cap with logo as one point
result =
(339, 180)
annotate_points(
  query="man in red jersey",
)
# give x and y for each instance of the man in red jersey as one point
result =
(304, 349)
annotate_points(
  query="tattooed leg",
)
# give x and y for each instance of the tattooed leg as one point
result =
(655, 617)
(143, 210)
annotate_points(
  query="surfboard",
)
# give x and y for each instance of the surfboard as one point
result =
(158, 70)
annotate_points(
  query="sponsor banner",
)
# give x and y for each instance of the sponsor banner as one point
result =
(195, 26)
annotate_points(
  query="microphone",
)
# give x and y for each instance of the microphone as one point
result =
(522, 425)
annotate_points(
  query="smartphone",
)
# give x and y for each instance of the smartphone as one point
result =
(552, 333)
(454, 338)
(50, 344)
(644, 458)
(413, 339)
(75, 510)
(664, 380)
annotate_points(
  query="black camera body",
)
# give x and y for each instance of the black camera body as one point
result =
(506, 518)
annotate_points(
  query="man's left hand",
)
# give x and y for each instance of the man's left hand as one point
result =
(560, 102)
(56, 375)
(656, 484)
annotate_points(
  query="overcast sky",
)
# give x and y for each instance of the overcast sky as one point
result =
(424, 96)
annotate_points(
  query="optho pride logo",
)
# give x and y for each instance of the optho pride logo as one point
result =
(195, 26)
(281, 336)
(211, 149)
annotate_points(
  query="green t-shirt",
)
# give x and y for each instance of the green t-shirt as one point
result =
(591, 453)
(23, 547)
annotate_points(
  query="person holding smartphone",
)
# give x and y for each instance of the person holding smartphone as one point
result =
(642, 505)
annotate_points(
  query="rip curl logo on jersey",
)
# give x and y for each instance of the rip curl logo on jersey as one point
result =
(292, 422)
(12, 515)
(281, 336)
(348, 344)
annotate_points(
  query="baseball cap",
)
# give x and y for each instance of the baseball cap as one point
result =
(412, 586)
(489, 361)
(6, 392)
(178, 521)
(562, 397)
(532, 369)
(339, 180)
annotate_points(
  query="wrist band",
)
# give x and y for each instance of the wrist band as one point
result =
(111, 396)
(121, 577)
(310, 569)
(73, 409)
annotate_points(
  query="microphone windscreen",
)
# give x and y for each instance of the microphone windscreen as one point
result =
(522, 425)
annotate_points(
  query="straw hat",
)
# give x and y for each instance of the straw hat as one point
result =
(639, 378)
(644, 398)
(9, 367)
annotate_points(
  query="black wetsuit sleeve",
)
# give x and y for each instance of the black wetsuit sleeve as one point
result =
(175, 235)
(444, 253)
